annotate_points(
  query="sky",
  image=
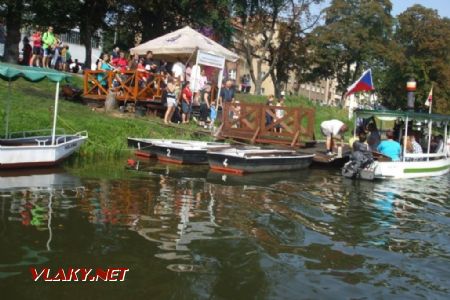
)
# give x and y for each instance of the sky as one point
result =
(399, 6)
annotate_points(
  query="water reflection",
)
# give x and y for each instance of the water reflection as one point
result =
(33, 200)
(275, 235)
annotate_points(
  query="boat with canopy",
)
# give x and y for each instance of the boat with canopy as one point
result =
(432, 162)
(35, 148)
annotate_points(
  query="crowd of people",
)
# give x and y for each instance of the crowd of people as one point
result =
(183, 86)
(47, 51)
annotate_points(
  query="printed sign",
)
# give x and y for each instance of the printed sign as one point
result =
(208, 59)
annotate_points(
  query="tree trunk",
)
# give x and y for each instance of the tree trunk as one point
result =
(86, 34)
(258, 84)
(13, 24)
(276, 84)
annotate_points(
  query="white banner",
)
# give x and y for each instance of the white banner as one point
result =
(208, 59)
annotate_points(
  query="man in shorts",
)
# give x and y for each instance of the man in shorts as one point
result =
(49, 42)
(333, 129)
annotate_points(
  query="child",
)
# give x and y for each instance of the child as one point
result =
(279, 113)
(212, 114)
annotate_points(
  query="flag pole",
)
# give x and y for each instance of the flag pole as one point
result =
(430, 100)
(430, 122)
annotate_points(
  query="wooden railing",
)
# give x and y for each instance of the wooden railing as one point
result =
(260, 123)
(128, 85)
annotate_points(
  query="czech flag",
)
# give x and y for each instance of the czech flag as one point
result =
(363, 84)
(430, 98)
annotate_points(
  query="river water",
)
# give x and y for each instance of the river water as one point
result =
(187, 233)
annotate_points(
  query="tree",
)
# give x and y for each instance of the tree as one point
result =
(423, 54)
(356, 35)
(12, 10)
(289, 47)
(256, 25)
(91, 17)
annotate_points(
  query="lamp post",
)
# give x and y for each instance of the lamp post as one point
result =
(411, 88)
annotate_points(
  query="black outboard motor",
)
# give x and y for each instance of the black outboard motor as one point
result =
(360, 159)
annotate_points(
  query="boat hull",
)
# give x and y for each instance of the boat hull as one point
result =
(184, 151)
(414, 169)
(144, 147)
(240, 165)
(15, 154)
(181, 156)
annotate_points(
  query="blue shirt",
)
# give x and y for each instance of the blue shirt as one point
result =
(227, 94)
(391, 149)
(213, 113)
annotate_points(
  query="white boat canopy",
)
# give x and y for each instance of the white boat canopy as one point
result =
(9, 72)
(398, 114)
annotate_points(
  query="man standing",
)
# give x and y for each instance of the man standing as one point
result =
(49, 41)
(227, 94)
(178, 70)
(333, 129)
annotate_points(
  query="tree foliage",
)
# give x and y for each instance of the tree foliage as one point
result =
(280, 35)
(269, 32)
(356, 35)
(423, 52)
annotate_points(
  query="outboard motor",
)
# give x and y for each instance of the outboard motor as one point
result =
(358, 161)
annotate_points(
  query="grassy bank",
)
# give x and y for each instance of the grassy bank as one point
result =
(31, 108)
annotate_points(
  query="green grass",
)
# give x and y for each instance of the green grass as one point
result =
(31, 108)
(32, 104)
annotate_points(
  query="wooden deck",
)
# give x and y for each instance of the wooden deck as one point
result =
(323, 160)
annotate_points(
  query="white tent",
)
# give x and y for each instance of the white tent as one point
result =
(183, 42)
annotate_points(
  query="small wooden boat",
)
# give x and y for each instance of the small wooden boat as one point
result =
(144, 147)
(184, 152)
(240, 161)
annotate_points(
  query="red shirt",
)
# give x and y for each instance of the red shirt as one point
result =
(37, 40)
(122, 63)
(188, 93)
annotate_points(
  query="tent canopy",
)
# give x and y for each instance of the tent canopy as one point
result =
(11, 72)
(183, 42)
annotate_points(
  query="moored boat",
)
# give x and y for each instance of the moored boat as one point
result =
(33, 148)
(240, 161)
(38, 151)
(144, 147)
(184, 152)
(410, 165)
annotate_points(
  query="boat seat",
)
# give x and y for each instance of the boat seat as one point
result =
(380, 157)
(16, 143)
(42, 142)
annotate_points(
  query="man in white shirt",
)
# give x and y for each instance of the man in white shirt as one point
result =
(178, 70)
(333, 129)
